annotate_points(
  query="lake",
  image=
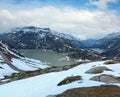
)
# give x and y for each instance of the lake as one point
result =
(49, 57)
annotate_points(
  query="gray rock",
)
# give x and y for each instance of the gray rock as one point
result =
(98, 69)
(106, 78)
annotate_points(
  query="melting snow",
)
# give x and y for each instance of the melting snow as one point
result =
(46, 84)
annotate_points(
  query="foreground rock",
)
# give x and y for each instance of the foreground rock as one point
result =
(70, 79)
(106, 78)
(98, 69)
(97, 91)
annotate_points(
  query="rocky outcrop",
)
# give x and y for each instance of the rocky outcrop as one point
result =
(98, 69)
(96, 91)
(70, 79)
(106, 78)
(47, 39)
(40, 38)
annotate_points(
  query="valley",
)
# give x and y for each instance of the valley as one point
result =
(45, 56)
(59, 48)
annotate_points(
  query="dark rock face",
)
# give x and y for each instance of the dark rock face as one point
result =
(114, 52)
(40, 38)
(111, 43)
(46, 39)
(108, 42)
(106, 78)
(85, 54)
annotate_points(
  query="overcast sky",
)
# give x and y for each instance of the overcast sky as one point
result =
(81, 18)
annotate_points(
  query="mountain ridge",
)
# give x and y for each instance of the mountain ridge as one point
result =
(110, 43)
(40, 38)
(43, 38)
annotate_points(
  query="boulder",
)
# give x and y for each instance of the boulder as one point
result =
(98, 69)
(106, 78)
(115, 61)
(69, 80)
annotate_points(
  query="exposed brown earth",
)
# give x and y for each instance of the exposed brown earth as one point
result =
(96, 91)
(27, 74)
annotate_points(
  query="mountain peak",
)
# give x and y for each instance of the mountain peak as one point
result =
(29, 29)
(32, 37)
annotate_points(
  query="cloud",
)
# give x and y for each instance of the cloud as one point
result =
(102, 4)
(79, 23)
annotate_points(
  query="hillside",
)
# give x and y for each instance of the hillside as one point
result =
(20, 73)
(54, 83)
(11, 62)
(40, 38)
(89, 42)
(108, 42)
(111, 44)
(47, 39)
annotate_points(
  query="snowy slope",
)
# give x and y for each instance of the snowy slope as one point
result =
(10, 62)
(46, 84)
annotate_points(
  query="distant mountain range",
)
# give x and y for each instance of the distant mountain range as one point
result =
(46, 39)
(111, 44)
(89, 42)
(108, 42)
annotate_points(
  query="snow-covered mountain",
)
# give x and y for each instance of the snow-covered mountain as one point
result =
(40, 38)
(46, 39)
(10, 62)
(111, 43)
(108, 42)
